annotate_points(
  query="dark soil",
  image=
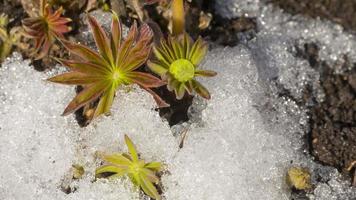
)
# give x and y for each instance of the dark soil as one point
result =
(332, 136)
(333, 122)
(177, 112)
(339, 11)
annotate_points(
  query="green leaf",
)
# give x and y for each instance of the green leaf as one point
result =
(189, 87)
(187, 43)
(180, 91)
(110, 169)
(148, 187)
(168, 51)
(105, 102)
(144, 79)
(198, 51)
(157, 68)
(131, 148)
(150, 175)
(173, 84)
(89, 94)
(162, 56)
(205, 73)
(117, 159)
(200, 89)
(101, 39)
(156, 166)
(178, 50)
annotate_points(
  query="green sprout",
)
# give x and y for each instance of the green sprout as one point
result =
(8, 39)
(142, 174)
(46, 28)
(177, 61)
(101, 74)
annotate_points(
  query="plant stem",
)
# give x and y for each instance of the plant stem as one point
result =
(178, 17)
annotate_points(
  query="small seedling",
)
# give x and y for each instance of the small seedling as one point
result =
(102, 73)
(140, 173)
(178, 62)
(45, 28)
(9, 39)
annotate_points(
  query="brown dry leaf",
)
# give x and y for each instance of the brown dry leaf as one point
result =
(78, 171)
(204, 20)
(119, 7)
(299, 178)
(92, 4)
(31, 7)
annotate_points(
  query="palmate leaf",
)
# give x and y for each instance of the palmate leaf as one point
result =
(177, 62)
(102, 73)
(45, 28)
(140, 173)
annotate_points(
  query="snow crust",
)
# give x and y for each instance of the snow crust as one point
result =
(238, 145)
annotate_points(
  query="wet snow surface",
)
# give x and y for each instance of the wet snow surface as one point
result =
(238, 145)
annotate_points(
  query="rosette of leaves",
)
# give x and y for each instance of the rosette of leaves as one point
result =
(177, 62)
(45, 28)
(142, 174)
(114, 65)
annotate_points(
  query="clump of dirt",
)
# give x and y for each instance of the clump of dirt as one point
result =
(339, 11)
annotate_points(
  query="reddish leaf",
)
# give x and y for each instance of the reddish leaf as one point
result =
(160, 102)
(205, 73)
(136, 60)
(74, 78)
(85, 53)
(101, 40)
(123, 51)
(201, 90)
(145, 79)
(115, 34)
(87, 95)
(87, 68)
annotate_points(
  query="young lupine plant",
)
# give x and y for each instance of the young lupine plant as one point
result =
(102, 73)
(177, 62)
(142, 174)
(45, 28)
